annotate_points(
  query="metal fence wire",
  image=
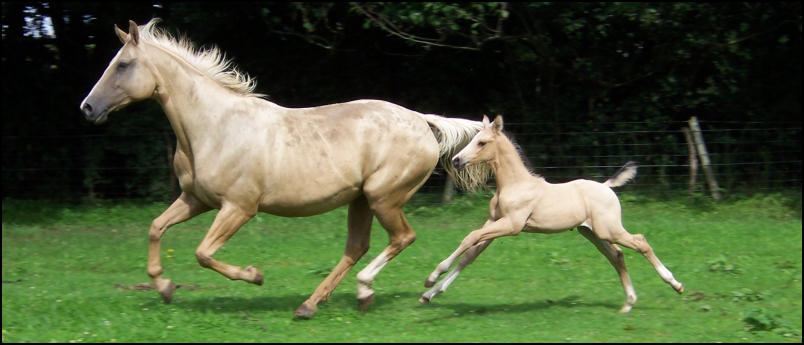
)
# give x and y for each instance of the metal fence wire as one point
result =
(745, 157)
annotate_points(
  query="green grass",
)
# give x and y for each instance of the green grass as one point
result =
(70, 275)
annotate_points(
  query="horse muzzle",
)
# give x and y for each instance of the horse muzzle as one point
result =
(458, 163)
(96, 116)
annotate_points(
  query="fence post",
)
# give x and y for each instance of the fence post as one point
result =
(446, 196)
(701, 146)
(693, 160)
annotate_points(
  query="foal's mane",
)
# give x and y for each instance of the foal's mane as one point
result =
(209, 60)
(520, 152)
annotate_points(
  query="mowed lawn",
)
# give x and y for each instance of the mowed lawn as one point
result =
(77, 274)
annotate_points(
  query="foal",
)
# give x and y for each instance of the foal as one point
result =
(526, 202)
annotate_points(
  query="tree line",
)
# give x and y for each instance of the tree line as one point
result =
(553, 67)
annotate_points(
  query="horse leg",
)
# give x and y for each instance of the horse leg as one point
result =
(639, 243)
(357, 244)
(227, 222)
(467, 259)
(184, 208)
(400, 236)
(491, 230)
(615, 256)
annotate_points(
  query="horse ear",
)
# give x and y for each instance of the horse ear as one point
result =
(133, 32)
(485, 121)
(498, 123)
(121, 34)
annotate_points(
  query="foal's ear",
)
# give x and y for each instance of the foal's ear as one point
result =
(485, 121)
(498, 123)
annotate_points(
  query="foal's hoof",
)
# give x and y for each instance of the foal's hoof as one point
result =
(626, 308)
(679, 288)
(305, 312)
(166, 288)
(365, 302)
(257, 275)
(429, 283)
(424, 300)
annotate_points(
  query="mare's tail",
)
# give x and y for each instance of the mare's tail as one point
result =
(626, 173)
(452, 135)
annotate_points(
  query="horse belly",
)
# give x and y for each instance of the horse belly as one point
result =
(307, 203)
(557, 215)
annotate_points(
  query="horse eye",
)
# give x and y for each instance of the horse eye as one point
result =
(122, 65)
(481, 143)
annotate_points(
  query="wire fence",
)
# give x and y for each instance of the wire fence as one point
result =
(746, 157)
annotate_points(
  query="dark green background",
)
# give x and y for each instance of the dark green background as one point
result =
(584, 87)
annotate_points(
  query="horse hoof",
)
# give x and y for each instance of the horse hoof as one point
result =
(257, 275)
(679, 289)
(424, 300)
(365, 302)
(166, 288)
(305, 312)
(429, 283)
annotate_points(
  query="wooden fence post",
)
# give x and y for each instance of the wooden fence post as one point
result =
(446, 196)
(693, 160)
(699, 144)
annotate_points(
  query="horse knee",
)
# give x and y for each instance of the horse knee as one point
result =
(156, 231)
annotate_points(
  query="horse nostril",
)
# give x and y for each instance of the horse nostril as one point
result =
(456, 161)
(86, 108)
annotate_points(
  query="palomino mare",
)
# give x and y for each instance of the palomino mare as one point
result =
(240, 153)
(526, 202)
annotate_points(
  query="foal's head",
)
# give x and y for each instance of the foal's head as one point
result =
(127, 79)
(482, 148)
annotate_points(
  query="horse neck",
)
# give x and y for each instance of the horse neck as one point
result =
(192, 101)
(507, 164)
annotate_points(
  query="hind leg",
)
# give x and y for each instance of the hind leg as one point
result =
(357, 244)
(639, 243)
(400, 236)
(615, 256)
(228, 220)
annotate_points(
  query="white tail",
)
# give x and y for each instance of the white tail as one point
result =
(452, 135)
(625, 174)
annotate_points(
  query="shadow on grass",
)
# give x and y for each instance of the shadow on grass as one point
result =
(470, 309)
(289, 303)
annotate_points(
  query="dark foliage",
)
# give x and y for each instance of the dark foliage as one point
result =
(568, 77)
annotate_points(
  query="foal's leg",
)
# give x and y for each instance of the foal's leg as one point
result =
(184, 208)
(227, 222)
(615, 257)
(639, 243)
(357, 244)
(468, 258)
(491, 230)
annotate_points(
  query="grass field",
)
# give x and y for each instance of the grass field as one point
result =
(77, 274)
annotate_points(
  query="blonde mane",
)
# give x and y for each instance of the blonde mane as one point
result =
(210, 60)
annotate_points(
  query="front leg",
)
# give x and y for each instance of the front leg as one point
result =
(467, 259)
(184, 208)
(491, 230)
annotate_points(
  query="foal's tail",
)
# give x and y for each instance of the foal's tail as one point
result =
(452, 135)
(626, 173)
